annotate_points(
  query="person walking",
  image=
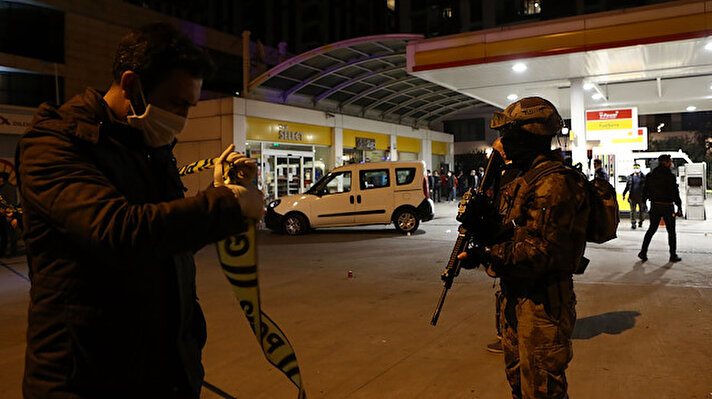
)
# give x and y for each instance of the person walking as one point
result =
(661, 189)
(634, 189)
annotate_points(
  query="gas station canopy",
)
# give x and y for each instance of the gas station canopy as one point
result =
(658, 58)
(364, 77)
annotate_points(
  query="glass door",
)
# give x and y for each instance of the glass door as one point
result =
(286, 172)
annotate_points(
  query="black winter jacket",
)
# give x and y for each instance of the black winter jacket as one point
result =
(661, 186)
(113, 308)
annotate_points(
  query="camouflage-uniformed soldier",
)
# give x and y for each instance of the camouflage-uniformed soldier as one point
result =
(548, 207)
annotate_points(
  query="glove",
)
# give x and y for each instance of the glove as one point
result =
(678, 213)
(472, 257)
(242, 170)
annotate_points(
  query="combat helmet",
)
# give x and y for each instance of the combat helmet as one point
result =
(532, 114)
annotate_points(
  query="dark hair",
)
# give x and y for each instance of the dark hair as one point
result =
(153, 50)
(598, 161)
(664, 158)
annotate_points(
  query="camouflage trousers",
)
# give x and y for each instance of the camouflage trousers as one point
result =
(536, 338)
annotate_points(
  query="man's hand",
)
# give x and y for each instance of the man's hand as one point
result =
(472, 257)
(245, 168)
(678, 213)
(250, 198)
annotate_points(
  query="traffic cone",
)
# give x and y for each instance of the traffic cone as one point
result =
(662, 222)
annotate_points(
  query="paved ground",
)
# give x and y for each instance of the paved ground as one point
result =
(644, 329)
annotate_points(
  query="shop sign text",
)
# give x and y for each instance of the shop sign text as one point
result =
(286, 134)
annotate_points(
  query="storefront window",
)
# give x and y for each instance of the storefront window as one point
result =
(407, 156)
(322, 158)
(439, 161)
(376, 156)
(352, 155)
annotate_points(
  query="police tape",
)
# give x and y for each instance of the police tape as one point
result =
(238, 259)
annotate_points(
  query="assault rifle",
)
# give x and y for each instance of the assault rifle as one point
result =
(478, 216)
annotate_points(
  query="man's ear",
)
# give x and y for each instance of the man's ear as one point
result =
(130, 90)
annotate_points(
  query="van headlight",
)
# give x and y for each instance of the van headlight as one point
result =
(274, 203)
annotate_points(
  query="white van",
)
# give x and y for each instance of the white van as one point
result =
(355, 195)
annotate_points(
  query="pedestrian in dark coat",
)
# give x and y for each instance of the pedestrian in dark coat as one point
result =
(110, 239)
(662, 191)
(599, 172)
(436, 186)
(634, 189)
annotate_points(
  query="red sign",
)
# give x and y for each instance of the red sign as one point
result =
(609, 114)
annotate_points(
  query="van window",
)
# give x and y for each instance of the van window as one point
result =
(333, 183)
(374, 178)
(404, 176)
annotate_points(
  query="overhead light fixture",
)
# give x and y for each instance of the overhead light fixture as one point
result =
(519, 67)
(588, 86)
(512, 97)
(597, 96)
(708, 46)
(691, 108)
(661, 126)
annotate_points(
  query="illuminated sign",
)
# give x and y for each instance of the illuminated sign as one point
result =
(610, 124)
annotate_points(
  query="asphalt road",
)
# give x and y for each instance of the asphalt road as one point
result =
(644, 330)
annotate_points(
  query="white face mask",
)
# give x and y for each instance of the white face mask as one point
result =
(159, 126)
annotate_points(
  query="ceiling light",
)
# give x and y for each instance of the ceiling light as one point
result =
(587, 86)
(519, 67)
(512, 97)
(708, 46)
(691, 108)
(597, 96)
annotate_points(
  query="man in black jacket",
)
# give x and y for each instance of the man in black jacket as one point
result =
(110, 239)
(661, 189)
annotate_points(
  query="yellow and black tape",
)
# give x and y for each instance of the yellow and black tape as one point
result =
(238, 258)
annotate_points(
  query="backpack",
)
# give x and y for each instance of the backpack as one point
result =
(604, 216)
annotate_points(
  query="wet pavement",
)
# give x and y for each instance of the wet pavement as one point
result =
(644, 329)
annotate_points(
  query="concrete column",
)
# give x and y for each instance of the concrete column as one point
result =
(394, 147)
(426, 152)
(337, 147)
(578, 122)
(450, 157)
(239, 125)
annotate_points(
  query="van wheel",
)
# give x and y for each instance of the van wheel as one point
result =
(294, 224)
(406, 221)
